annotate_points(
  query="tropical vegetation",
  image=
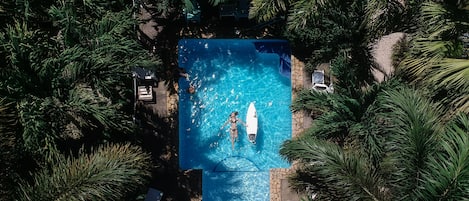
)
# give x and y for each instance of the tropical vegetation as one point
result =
(112, 172)
(438, 57)
(66, 130)
(401, 139)
(65, 101)
(410, 153)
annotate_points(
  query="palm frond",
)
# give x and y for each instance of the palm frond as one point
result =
(39, 131)
(368, 133)
(434, 69)
(307, 99)
(448, 177)
(112, 52)
(460, 102)
(302, 13)
(434, 15)
(90, 110)
(306, 11)
(109, 173)
(265, 10)
(452, 73)
(64, 17)
(16, 9)
(113, 24)
(217, 2)
(19, 44)
(103, 56)
(100, 7)
(428, 54)
(416, 123)
(342, 173)
(435, 57)
(24, 49)
(383, 17)
(331, 126)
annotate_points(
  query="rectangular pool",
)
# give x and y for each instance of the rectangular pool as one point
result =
(227, 75)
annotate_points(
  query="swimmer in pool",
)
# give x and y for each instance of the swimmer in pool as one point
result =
(233, 120)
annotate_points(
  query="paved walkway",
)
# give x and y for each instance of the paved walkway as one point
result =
(165, 103)
(279, 186)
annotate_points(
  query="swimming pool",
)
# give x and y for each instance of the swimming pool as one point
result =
(228, 74)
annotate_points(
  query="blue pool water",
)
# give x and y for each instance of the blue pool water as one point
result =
(228, 74)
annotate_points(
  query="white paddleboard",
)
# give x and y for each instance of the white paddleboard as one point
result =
(252, 123)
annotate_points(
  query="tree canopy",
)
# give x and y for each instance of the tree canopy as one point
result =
(65, 79)
(400, 139)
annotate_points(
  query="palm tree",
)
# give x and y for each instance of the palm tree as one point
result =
(66, 83)
(334, 30)
(422, 156)
(342, 119)
(329, 172)
(438, 54)
(110, 172)
(76, 84)
(384, 17)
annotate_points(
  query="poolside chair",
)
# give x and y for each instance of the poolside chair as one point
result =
(317, 80)
(145, 93)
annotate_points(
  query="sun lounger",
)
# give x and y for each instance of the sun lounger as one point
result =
(145, 93)
(317, 80)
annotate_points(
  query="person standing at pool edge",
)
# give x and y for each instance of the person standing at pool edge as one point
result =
(233, 120)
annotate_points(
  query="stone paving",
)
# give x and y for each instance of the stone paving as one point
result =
(279, 188)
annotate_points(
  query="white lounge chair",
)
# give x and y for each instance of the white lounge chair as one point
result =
(145, 93)
(317, 79)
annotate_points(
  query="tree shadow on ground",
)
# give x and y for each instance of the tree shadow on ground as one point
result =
(159, 136)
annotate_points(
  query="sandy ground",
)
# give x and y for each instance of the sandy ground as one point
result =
(382, 52)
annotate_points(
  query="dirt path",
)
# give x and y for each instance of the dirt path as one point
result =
(382, 52)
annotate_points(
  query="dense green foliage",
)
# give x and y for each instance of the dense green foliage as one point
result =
(66, 80)
(65, 94)
(407, 151)
(265, 10)
(335, 31)
(402, 139)
(108, 173)
(438, 56)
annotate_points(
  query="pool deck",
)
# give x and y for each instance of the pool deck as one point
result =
(167, 103)
(279, 186)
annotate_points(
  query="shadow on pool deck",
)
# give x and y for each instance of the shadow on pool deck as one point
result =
(159, 136)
